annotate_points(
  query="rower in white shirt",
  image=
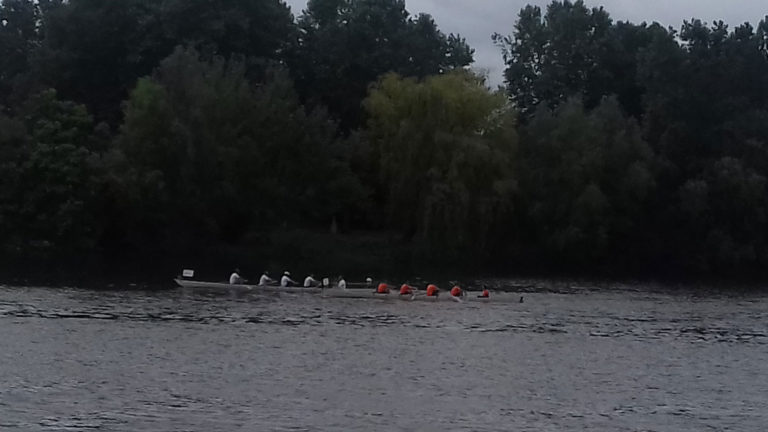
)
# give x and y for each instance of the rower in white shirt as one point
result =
(310, 281)
(286, 280)
(235, 278)
(265, 279)
(341, 284)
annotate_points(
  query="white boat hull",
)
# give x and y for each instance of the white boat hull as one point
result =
(184, 283)
(350, 293)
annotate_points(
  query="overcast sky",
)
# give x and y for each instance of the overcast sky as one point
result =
(476, 20)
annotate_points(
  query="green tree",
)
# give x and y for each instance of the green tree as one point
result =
(253, 29)
(220, 158)
(96, 71)
(699, 93)
(135, 35)
(18, 39)
(48, 198)
(705, 111)
(13, 151)
(347, 45)
(585, 181)
(725, 210)
(445, 149)
(572, 50)
(555, 56)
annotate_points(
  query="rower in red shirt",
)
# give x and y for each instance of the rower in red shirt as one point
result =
(486, 293)
(456, 291)
(382, 289)
(405, 289)
(432, 290)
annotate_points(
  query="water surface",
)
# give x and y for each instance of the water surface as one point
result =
(586, 359)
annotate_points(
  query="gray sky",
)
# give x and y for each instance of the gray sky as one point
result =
(476, 20)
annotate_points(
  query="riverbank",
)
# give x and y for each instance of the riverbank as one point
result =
(355, 255)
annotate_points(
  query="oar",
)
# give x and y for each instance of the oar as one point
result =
(435, 297)
(417, 292)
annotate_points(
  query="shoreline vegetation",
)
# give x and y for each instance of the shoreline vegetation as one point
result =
(391, 264)
(141, 137)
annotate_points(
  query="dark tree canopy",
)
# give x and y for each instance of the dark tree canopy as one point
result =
(135, 35)
(151, 131)
(347, 45)
(19, 37)
(556, 54)
(585, 179)
(49, 169)
(224, 156)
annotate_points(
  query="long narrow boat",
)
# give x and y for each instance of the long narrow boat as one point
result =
(186, 283)
(470, 296)
(418, 296)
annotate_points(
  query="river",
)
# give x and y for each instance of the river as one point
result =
(609, 359)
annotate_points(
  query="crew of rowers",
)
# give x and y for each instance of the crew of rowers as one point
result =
(432, 290)
(265, 279)
(382, 288)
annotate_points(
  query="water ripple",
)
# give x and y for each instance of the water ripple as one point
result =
(566, 359)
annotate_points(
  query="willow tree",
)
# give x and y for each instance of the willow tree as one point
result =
(445, 148)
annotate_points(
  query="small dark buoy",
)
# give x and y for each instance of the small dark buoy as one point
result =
(521, 299)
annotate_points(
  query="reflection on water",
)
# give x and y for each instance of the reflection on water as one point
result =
(566, 359)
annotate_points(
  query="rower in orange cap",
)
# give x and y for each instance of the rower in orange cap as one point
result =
(406, 289)
(456, 291)
(382, 289)
(432, 290)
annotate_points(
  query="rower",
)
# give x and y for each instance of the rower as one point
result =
(486, 293)
(341, 284)
(432, 290)
(310, 281)
(456, 291)
(235, 278)
(382, 289)
(369, 282)
(265, 279)
(406, 289)
(286, 280)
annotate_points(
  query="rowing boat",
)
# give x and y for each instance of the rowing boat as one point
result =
(418, 296)
(185, 283)
(360, 285)
(349, 293)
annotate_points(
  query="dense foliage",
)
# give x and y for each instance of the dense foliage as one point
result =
(445, 149)
(148, 129)
(347, 44)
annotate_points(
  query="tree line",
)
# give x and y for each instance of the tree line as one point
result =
(163, 129)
